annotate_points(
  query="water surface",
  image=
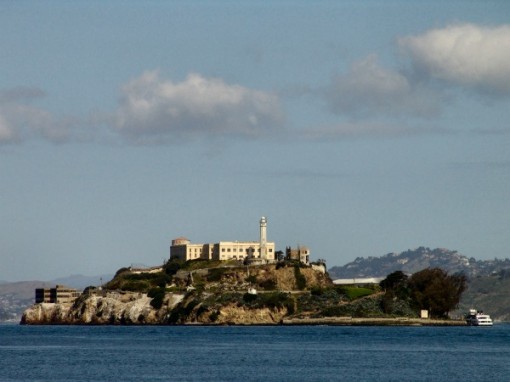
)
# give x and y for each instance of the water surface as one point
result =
(303, 353)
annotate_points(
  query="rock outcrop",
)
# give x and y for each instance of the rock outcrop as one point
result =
(105, 308)
(203, 293)
(135, 309)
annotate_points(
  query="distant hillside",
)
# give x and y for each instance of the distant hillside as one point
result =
(488, 280)
(412, 261)
(490, 294)
(16, 297)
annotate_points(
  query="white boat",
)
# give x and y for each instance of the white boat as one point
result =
(478, 318)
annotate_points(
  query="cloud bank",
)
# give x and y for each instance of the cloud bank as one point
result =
(20, 120)
(368, 89)
(152, 109)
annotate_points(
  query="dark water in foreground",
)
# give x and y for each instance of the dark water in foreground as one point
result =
(308, 353)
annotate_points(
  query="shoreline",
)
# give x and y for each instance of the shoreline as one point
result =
(353, 321)
(324, 321)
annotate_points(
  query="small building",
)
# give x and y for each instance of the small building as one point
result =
(301, 254)
(59, 294)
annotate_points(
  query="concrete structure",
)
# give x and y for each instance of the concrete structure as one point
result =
(359, 281)
(140, 270)
(59, 294)
(300, 254)
(183, 249)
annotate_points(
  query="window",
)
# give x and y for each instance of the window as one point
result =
(223, 250)
(228, 249)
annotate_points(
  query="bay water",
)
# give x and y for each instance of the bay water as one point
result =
(254, 353)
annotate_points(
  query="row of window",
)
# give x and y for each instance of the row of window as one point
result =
(241, 250)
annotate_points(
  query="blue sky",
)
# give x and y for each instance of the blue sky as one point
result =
(357, 127)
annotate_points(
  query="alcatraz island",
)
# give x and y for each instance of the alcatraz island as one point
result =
(249, 283)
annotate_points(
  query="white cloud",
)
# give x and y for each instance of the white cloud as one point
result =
(466, 54)
(369, 89)
(152, 109)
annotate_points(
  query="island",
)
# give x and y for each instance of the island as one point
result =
(249, 283)
(205, 292)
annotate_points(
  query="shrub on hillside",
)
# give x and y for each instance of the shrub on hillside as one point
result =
(215, 274)
(135, 286)
(268, 284)
(249, 298)
(251, 279)
(158, 296)
(121, 270)
(300, 278)
(172, 266)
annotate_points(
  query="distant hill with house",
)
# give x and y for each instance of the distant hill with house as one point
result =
(414, 260)
(488, 280)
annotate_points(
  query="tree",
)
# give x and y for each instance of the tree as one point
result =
(395, 288)
(433, 289)
(394, 280)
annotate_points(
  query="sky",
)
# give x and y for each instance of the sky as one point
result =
(358, 128)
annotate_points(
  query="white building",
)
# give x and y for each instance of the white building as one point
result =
(183, 249)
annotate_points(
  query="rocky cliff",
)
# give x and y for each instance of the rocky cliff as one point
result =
(135, 308)
(107, 308)
(200, 296)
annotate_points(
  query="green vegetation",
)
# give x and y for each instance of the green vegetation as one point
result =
(435, 290)
(368, 307)
(138, 282)
(339, 301)
(273, 300)
(252, 279)
(215, 274)
(182, 311)
(355, 292)
(158, 295)
(432, 289)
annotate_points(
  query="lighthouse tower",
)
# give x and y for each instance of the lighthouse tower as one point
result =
(263, 238)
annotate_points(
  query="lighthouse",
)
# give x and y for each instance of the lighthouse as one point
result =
(263, 238)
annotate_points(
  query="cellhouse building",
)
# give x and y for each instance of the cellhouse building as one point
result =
(183, 249)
